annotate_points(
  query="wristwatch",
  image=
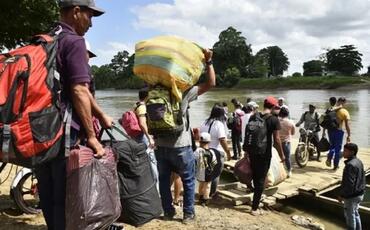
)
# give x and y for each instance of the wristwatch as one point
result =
(210, 62)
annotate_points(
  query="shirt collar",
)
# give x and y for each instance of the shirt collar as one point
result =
(349, 159)
(67, 28)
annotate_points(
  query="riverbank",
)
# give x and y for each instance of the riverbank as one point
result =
(329, 82)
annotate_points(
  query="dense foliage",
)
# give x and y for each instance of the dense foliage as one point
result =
(313, 68)
(21, 19)
(345, 60)
(277, 61)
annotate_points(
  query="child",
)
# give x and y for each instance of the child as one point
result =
(353, 186)
(208, 166)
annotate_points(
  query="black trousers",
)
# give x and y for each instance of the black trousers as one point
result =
(235, 138)
(260, 165)
(51, 184)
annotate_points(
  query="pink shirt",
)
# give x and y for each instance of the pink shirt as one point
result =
(287, 129)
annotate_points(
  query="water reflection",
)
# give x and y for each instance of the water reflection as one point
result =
(114, 102)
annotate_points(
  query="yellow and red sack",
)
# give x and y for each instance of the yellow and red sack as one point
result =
(31, 125)
(171, 61)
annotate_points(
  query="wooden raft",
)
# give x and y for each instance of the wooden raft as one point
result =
(313, 179)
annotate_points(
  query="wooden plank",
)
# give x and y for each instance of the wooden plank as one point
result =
(279, 196)
(228, 186)
(269, 201)
(236, 199)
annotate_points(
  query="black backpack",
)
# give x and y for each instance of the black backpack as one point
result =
(255, 140)
(213, 164)
(329, 120)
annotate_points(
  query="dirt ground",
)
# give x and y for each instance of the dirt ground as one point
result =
(220, 214)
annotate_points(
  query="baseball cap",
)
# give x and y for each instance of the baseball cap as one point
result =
(205, 137)
(253, 104)
(281, 99)
(87, 3)
(271, 101)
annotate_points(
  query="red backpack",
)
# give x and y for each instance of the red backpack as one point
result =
(31, 124)
(130, 123)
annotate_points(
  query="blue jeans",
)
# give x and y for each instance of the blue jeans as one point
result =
(286, 150)
(336, 140)
(351, 214)
(181, 161)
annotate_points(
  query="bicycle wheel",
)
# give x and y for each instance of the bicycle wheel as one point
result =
(25, 194)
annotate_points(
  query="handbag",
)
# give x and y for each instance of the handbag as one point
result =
(323, 145)
(243, 170)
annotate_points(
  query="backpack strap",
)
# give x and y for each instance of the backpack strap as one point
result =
(67, 120)
(210, 126)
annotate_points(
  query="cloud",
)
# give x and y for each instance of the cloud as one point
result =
(106, 54)
(301, 28)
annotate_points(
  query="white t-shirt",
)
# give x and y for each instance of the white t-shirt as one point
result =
(217, 131)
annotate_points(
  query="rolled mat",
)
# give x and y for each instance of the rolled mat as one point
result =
(171, 61)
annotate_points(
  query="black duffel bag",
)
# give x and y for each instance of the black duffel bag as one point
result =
(137, 186)
(323, 145)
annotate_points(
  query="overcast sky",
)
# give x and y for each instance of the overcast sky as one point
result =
(302, 28)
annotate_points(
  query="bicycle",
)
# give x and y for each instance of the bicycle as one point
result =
(23, 188)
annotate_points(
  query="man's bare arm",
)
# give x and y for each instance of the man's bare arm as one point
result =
(81, 99)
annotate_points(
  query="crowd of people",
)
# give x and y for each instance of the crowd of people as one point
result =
(176, 159)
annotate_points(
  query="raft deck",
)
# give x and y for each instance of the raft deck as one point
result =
(312, 179)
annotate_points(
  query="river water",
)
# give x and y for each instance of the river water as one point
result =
(115, 102)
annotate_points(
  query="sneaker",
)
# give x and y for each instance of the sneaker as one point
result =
(188, 218)
(336, 168)
(289, 174)
(203, 202)
(328, 163)
(169, 215)
(257, 212)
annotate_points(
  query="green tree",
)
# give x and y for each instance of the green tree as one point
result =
(120, 62)
(21, 19)
(345, 60)
(104, 76)
(297, 74)
(313, 68)
(260, 67)
(232, 77)
(277, 60)
(231, 51)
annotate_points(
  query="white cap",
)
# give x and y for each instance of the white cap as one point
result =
(88, 48)
(253, 104)
(205, 137)
(281, 99)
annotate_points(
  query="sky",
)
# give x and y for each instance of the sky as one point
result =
(302, 28)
